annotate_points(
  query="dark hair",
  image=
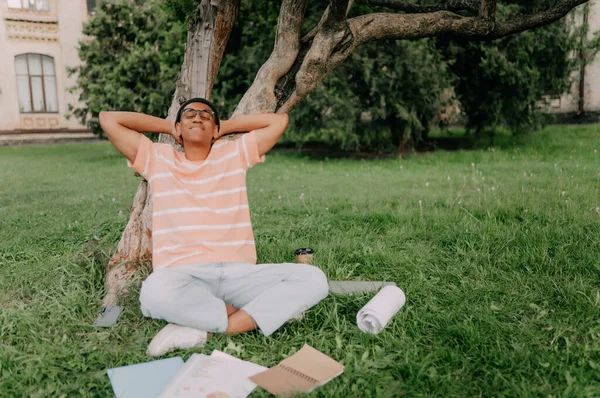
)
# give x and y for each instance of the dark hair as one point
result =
(202, 101)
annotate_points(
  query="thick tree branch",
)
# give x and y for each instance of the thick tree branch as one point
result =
(287, 84)
(487, 11)
(377, 26)
(402, 26)
(260, 97)
(228, 11)
(208, 34)
(336, 13)
(526, 22)
(311, 35)
(452, 5)
(333, 34)
(380, 26)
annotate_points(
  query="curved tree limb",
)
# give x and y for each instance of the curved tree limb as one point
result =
(333, 34)
(380, 26)
(292, 88)
(526, 22)
(285, 51)
(452, 5)
(403, 26)
(311, 35)
(228, 12)
(487, 10)
(287, 84)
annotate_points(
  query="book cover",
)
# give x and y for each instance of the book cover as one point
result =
(143, 380)
(302, 372)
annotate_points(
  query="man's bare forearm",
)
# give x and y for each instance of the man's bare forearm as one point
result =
(124, 129)
(139, 122)
(247, 123)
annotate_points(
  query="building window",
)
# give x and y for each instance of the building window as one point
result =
(91, 6)
(555, 102)
(40, 5)
(36, 83)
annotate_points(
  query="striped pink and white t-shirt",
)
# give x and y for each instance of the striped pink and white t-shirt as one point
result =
(200, 210)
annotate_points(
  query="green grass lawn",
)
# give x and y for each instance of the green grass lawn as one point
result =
(497, 250)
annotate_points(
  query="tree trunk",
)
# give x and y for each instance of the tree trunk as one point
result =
(397, 130)
(208, 34)
(582, 64)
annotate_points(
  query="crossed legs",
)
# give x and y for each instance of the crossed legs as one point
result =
(232, 298)
(238, 321)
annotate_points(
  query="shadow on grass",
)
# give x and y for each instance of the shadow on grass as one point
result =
(453, 140)
(464, 142)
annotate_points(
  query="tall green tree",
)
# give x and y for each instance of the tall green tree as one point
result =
(299, 62)
(506, 82)
(384, 94)
(389, 93)
(130, 60)
(383, 99)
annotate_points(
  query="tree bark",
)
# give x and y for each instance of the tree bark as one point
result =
(397, 130)
(208, 33)
(261, 97)
(487, 10)
(452, 5)
(582, 65)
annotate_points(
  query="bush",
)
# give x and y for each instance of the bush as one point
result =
(131, 59)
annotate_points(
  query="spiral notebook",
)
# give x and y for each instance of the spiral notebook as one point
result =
(299, 373)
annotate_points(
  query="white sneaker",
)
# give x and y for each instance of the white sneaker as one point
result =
(173, 336)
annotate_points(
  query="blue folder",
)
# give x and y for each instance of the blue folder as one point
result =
(143, 380)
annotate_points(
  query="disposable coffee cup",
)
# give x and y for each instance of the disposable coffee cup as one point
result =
(304, 255)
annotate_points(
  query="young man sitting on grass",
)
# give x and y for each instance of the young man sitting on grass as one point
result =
(205, 277)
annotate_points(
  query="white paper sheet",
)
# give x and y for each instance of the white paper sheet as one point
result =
(218, 376)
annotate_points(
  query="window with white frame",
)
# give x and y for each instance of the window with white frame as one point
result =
(40, 5)
(36, 83)
(91, 6)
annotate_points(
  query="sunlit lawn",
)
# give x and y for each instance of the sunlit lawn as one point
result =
(497, 250)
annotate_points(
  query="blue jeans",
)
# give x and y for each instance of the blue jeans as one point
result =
(195, 295)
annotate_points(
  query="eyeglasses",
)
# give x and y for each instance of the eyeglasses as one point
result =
(190, 113)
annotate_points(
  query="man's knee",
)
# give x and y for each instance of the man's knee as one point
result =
(316, 280)
(157, 292)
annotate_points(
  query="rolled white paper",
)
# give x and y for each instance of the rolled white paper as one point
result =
(373, 317)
